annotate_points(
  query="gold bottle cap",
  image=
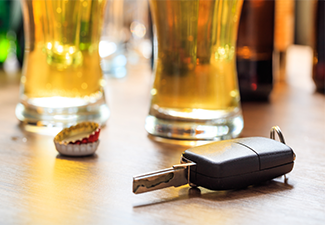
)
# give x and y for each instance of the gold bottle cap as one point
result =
(78, 140)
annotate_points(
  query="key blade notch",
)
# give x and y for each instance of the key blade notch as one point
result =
(175, 176)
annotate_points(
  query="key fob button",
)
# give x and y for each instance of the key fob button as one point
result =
(224, 159)
(271, 153)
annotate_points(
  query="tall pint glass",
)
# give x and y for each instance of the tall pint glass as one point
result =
(195, 92)
(62, 81)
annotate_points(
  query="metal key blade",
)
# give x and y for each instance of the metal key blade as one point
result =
(174, 176)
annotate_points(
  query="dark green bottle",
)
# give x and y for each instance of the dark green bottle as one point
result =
(4, 29)
(11, 32)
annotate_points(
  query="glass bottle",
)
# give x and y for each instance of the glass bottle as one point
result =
(319, 50)
(4, 28)
(255, 49)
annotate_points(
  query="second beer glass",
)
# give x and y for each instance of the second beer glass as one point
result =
(195, 92)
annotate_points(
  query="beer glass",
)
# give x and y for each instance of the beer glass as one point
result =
(195, 92)
(62, 81)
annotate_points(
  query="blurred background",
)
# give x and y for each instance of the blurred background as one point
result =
(272, 36)
(11, 37)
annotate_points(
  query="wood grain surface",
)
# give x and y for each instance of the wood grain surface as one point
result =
(39, 186)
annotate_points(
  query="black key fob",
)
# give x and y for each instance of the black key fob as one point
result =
(238, 163)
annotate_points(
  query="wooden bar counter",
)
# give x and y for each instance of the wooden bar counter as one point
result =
(39, 186)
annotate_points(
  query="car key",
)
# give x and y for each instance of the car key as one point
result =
(224, 165)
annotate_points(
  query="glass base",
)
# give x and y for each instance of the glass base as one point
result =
(185, 131)
(180, 142)
(50, 120)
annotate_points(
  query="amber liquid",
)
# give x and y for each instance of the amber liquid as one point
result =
(195, 65)
(195, 71)
(62, 50)
(62, 80)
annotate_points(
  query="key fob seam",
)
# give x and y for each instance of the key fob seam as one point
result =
(258, 156)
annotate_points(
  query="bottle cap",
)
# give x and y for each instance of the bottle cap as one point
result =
(78, 140)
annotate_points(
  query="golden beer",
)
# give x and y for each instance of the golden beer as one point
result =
(195, 93)
(62, 80)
